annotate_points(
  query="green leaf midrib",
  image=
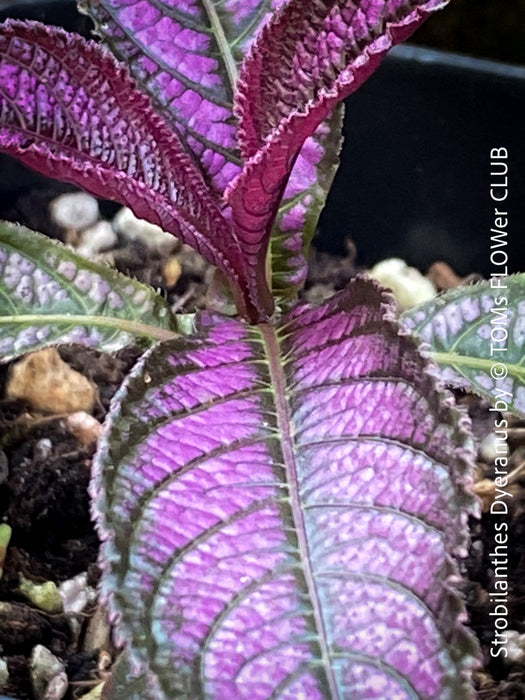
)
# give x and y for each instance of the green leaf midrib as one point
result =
(468, 361)
(222, 42)
(271, 345)
(93, 321)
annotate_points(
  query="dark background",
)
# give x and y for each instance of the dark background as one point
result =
(484, 28)
(415, 172)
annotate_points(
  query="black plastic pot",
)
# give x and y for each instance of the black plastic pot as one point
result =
(414, 179)
(60, 12)
(415, 170)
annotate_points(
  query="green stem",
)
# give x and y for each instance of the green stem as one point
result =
(289, 455)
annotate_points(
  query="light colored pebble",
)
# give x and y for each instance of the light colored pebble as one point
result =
(76, 594)
(172, 271)
(76, 210)
(105, 661)
(152, 236)
(84, 427)
(44, 668)
(491, 447)
(57, 687)
(4, 673)
(50, 385)
(44, 596)
(43, 449)
(96, 239)
(409, 286)
(515, 646)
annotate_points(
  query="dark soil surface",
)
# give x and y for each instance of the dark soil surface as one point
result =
(43, 496)
(45, 502)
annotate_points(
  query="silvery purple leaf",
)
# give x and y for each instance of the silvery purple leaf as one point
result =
(186, 56)
(51, 295)
(280, 507)
(476, 334)
(305, 60)
(70, 111)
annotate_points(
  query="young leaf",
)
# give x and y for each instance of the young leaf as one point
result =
(186, 55)
(49, 295)
(279, 509)
(67, 109)
(305, 60)
(477, 336)
(213, 37)
(302, 204)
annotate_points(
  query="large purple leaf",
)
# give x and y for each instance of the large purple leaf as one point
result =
(70, 111)
(186, 55)
(280, 507)
(305, 60)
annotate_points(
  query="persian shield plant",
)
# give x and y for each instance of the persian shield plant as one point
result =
(281, 495)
